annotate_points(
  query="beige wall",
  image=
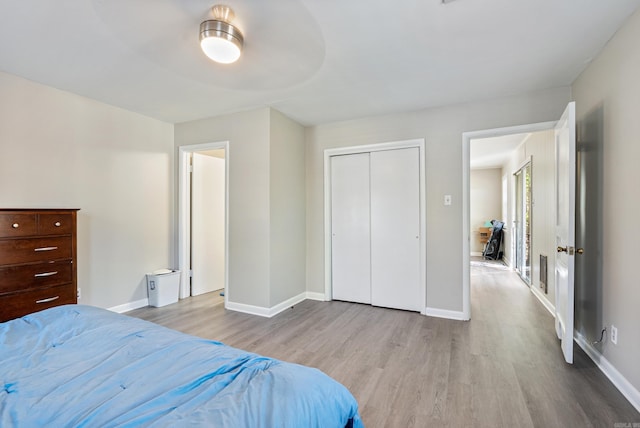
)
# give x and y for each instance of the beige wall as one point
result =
(287, 208)
(511, 166)
(607, 96)
(266, 202)
(539, 146)
(61, 150)
(485, 202)
(442, 130)
(249, 224)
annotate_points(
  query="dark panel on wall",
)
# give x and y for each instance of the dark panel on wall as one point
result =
(589, 227)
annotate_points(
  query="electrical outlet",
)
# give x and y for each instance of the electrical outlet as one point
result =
(614, 335)
(78, 294)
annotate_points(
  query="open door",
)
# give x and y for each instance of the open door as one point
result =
(207, 223)
(565, 136)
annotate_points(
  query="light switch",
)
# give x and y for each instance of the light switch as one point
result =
(447, 199)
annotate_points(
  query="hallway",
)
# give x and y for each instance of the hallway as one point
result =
(520, 340)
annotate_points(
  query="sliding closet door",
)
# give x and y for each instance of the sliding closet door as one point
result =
(350, 242)
(395, 229)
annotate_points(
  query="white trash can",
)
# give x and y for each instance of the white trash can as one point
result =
(163, 286)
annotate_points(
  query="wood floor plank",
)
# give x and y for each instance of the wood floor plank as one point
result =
(504, 368)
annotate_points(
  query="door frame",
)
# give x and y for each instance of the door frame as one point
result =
(184, 213)
(466, 168)
(368, 148)
(527, 163)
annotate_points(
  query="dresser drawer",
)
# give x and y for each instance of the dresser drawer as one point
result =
(19, 278)
(55, 224)
(19, 304)
(14, 251)
(14, 224)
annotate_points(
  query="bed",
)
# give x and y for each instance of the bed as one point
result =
(78, 366)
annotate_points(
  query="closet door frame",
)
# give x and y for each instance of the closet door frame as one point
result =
(328, 153)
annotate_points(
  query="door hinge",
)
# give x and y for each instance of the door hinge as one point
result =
(190, 273)
(190, 169)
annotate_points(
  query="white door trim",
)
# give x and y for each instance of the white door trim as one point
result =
(184, 208)
(328, 153)
(466, 234)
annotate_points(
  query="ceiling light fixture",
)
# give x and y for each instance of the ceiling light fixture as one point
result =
(219, 40)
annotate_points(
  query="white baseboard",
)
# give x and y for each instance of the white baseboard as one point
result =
(275, 310)
(476, 253)
(620, 382)
(247, 309)
(443, 313)
(543, 299)
(266, 312)
(126, 307)
(315, 296)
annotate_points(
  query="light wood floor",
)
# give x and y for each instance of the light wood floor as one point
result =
(504, 368)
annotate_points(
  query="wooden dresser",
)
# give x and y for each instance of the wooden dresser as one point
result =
(37, 260)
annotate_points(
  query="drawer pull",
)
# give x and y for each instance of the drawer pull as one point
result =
(15, 225)
(45, 249)
(57, 224)
(47, 300)
(41, 275)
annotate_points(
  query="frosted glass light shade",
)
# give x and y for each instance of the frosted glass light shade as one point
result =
(220, 41)
(220, 50)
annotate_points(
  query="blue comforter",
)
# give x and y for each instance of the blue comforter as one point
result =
(83, 366)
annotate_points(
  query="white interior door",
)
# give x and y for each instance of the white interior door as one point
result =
(207, 224)
(395, 229)
(350, 225)
(565, 228)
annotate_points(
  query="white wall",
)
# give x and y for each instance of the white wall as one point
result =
(442, 129)
(485, 202)
(607, 96)
(287, 208)
(62, 150)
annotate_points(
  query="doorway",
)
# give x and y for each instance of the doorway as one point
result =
(557, 213)
(203, 246)
(467, 138)
(207, 221)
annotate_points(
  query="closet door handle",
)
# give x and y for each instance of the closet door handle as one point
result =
(41, 275)
(50, 299)
(45, 249)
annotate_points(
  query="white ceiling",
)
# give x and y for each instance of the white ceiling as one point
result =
(316, 61)
(493, 152)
